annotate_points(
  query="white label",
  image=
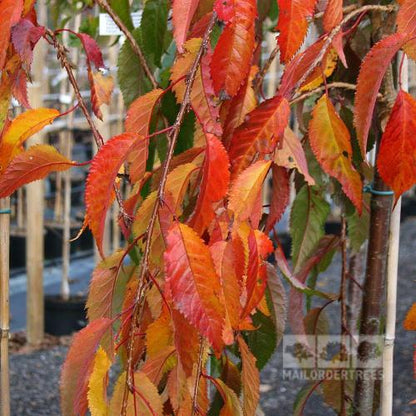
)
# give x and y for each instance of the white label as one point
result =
(109, 28)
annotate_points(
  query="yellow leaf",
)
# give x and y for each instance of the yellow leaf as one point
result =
(20, 129)
(97, 386)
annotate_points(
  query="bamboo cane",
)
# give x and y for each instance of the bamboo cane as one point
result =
(392, 279)
(4, 306)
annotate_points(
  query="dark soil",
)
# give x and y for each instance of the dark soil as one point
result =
(35, 374)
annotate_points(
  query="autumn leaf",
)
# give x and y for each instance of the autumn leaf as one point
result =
(260, 132)
(10, 11)
(92, 50)
(332, 18)
(101, 90)
(100, 181)
(21, 128)
(97, 385)
(293, 25)
(280, 193)
(32, 165)
(406, 24)
(250, 379)
(182, 14)
(145, 399)
(396, 160)
(292, 156)
(232, 405)
(246, 189)
(159, 334)
(234, 111)
(214, 185)
(369, 82)
(409, 322)
(232, 56)
(202, 93)
(78, 367)
(194, 283)
(225, 9)
(330, 141)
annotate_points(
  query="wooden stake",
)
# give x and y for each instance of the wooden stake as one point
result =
(4, 306)
(35, 206)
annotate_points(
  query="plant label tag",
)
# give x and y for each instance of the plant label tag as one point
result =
(107, 26)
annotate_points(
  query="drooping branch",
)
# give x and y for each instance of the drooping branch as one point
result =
(258, 81)
(63, 59)
(173, 136)
(134, 45)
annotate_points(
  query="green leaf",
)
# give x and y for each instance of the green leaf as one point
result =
(307, 220)
(122, 9)
(262, 341)
(131, 77)
(153, 28)
(358, 226)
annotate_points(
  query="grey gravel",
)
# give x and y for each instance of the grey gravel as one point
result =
(35, 377)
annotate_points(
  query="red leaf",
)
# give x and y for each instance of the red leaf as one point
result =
(280, 193)
(101, 90)
(92, 50)
(250, 379)
(333, 14)
(100, 181)
(32, 165)
(246, 189)
(371, 75)
(406, 24)
(291, 155)
(297, 67)
(261, 131)
(10, 11)
(214, 185)
(232, 56)
(25, 35)
(396, 160)
(193, 282)
(293, 25)
(225, 9)
(78, 367)
(182, 13)
(330, 141)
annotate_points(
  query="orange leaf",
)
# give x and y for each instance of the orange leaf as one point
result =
(32, 165)
(234, 111)
(332, 17)
(409, 323)
(193, 282)
(101, 90)
(100, 181)
(261, 131)
(406, 24)
(202, 93)
(214, 186)
(232, 56)
(232, 405)
(159, 334)
(291, 155)
(246, 189)
(280, 193)
(10, 11)
(396, 160)
(331, 144)
(140, 112)
(20, 129)
(250, 379)
(182, 13)
(78, 367)
(369, 82)
(293, 25)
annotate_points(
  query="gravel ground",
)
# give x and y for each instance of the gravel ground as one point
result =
(35, 376)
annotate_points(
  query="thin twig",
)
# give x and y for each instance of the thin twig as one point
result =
(173, 136)
(308, 94)
(62, 57)
(346, 9)
(336, 30)
(134, 45)
(258, 81)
